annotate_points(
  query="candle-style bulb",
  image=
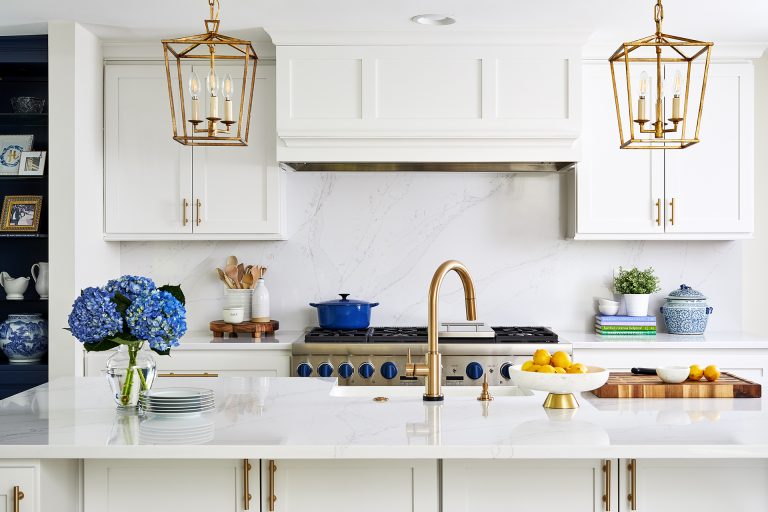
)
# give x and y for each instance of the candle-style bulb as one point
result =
(194, 85)
(643, 84)
(678, 82)
(228, 87)
(213, 83)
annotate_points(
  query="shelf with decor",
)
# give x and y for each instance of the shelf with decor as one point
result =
(23, 209)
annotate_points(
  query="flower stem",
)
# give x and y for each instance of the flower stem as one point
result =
(125, 393)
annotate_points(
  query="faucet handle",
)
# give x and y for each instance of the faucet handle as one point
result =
(485, 395)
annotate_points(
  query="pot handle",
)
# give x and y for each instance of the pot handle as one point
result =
(709, 310)
(374, 304)
(661, 309)
(313, 304)
(344, 296)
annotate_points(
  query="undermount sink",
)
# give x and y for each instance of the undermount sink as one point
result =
(418, 391)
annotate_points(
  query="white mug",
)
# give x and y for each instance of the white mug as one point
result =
(233, 315)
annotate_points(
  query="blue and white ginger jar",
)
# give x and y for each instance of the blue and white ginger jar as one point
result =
(686, 311)
(24, 338)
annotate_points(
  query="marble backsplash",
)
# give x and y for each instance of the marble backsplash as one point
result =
(380, 236)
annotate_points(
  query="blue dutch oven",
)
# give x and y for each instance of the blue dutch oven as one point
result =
(344, 313)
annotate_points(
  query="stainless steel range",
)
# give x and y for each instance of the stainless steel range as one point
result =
(377, 356)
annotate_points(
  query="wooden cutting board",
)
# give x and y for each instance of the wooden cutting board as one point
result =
(628, 385)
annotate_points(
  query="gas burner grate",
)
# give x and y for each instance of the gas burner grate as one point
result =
(524, 335)
(398, 335)
(320, 335)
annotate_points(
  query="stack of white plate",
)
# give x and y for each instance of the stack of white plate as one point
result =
(176, 402)
(172, 430)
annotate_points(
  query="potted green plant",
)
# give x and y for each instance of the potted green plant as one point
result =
(637, 286)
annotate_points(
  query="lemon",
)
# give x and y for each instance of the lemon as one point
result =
(527, 365)
(534, 368)
(577, 368)
(546, 368)
(696, 373)
(711, 373)
(559, 369)
(561, 359)
(541, 357)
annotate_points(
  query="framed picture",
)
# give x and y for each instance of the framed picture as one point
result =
(32, 163)
(21, 213)
(11, 148)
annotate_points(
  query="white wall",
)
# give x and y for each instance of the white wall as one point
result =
(381, 236)
(78, 256)
(755, 276)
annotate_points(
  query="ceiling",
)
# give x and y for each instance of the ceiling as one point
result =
(609, 21)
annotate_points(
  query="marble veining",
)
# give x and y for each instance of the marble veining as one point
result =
(380, 236)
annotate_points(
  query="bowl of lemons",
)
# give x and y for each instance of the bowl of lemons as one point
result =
(559, 375)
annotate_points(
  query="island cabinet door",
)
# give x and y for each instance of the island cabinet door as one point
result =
(334, 485)
(19, 488)
(712, 484)
(526, 485)
(165, 485)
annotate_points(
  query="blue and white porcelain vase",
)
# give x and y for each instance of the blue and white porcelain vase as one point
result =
(24, 338)
(686, 311)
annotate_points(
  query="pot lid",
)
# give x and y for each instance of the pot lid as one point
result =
(687, 293)
(344, 301)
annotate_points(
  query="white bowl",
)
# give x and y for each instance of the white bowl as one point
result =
(608, 302)
(608, 309)
(673, 374)
(560, 383)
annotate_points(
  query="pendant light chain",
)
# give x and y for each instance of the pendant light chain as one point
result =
(658, 17)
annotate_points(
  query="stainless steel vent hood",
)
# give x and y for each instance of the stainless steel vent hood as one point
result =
(427, 166)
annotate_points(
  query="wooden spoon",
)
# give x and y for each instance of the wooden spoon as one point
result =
(222, 277)
(247, 281)
(232, 260)
(240, 274)
(231, 272)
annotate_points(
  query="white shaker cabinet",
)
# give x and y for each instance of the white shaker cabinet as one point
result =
(158, 189)
(19, 484)
(159, 485)
(703, 192)
(674, 485)
(333, 485)
(545, 486)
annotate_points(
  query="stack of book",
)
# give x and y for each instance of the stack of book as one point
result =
(625, 325)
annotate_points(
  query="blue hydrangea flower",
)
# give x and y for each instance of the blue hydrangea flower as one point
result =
(159, 318)
(94, 316)
(131, 286)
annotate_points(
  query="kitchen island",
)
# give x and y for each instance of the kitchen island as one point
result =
(428, 457)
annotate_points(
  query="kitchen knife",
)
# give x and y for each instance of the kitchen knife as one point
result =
(644, 371)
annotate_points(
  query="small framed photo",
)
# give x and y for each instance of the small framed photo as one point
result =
(11, 148)
(21, 213)
(32, 163)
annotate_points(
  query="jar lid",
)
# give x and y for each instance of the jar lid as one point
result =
(686, 292)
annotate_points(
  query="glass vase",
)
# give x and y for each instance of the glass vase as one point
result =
(129, 371)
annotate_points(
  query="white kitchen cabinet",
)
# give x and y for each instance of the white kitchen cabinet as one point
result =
(19, 484)
(417, 102)
(157, 485)
(157, 189)
(546, 486)
(629, 194)
(333, 485)
(674, 485)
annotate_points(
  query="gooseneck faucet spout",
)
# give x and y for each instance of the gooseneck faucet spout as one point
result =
(431, 369)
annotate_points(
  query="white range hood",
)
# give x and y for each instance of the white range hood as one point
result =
(400, 102)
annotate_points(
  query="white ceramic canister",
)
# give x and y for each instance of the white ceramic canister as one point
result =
(260, 309)
(41, 278)
(239, 298)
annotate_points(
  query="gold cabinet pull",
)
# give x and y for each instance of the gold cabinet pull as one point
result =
(272, 498)
(632, 496)
(658, 212)
(672, 216)
(173, 374)
(607, 483)
(246, 485)
(184, 206)
(198, 205)
(18, 495)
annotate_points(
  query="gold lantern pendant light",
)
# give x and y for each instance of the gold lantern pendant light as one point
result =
(203, 123)
(662, 55)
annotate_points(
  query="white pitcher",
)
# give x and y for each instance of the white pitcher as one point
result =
(14, 288)
(41, 278)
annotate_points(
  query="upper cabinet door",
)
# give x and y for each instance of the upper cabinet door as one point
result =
(617, 190)
(712, 182)
(147, 174)
(241, 189)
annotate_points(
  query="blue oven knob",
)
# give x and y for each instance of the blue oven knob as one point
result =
(474, 370)
(346, 370)
(366, 370)
(389, 370)
(304, 370)
(504, 370)
(325, 370)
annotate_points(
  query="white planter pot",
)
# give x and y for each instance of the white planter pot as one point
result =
(637, 303)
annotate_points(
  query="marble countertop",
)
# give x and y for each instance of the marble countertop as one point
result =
(710, 340)
(301, 419)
